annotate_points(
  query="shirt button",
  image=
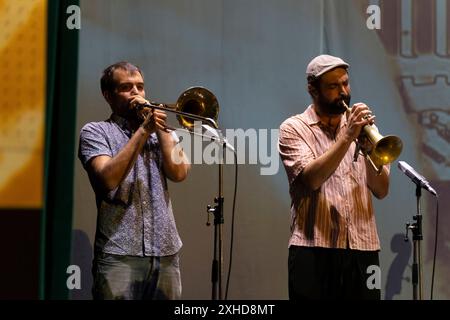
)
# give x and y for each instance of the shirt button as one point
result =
(144, 203)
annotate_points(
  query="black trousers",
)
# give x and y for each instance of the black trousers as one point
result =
(322, 273)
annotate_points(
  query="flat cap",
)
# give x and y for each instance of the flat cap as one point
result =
(324, 63)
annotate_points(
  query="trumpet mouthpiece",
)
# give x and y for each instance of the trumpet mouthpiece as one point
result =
(345, 105)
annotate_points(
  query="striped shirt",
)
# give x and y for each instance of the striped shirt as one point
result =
(340, 213)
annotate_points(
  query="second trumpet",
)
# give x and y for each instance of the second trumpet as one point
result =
(385, 149)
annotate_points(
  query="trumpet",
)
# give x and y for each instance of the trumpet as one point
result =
(385, 149)
(195, 103)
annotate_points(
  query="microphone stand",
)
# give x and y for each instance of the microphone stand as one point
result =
(416, 228)
(217, 211)
(216, 271)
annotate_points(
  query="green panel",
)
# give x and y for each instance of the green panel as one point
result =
(56, 222)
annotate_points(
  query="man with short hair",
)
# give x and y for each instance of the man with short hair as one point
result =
(128, 158)
(333, 230)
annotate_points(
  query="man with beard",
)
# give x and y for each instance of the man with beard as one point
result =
(128, 158)
(334, 239)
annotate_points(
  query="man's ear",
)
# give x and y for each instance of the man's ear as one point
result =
(313, 91)
(107, 96)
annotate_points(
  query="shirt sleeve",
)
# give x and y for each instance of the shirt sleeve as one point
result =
(294, 151)
(92, 143)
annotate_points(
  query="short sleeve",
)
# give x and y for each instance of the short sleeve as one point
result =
(294, 151)
(92, 143)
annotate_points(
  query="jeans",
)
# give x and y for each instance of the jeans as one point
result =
(119, 277)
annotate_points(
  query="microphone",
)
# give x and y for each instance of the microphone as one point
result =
(416, 177)
(214, 133)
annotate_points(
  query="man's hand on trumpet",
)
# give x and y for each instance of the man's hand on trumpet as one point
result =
(152, 120)
(364, 144)
(357, 117)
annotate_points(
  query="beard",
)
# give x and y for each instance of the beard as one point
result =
(124, 110)
(335, 107)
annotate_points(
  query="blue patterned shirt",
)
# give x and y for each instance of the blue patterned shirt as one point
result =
(136, 218)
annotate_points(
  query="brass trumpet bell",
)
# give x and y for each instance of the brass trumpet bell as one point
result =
(197, 101)
(386, 149)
